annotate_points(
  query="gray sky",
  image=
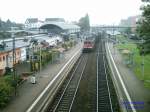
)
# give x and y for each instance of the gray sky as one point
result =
(100, 11)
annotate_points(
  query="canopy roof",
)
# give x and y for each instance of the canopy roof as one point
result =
(61, 25)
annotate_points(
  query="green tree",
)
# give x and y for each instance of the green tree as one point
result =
(4, 26)
(4, 35)
(5, 92)
(128, 30)
(84, 23)
(9, 24)
(143, 29)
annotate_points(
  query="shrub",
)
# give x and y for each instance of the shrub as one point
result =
(5, 92)
(64, 46)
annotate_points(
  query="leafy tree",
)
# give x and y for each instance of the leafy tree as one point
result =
(84, 23)
(4, 26)
(128, 30)
(5, 92)
(9, 24)
(143, 29)
(4, 35)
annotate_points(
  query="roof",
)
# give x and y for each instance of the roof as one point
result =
(18, 44)
(55, 19)
(32, 20)
(61, 25)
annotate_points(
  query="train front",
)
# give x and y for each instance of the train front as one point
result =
(88, 45)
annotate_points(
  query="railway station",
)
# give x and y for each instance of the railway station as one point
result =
(60, 86)
(58, 60)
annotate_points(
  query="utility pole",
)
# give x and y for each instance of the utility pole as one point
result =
(142, 59)
(40, 59)
(114, 40)
(14, 60)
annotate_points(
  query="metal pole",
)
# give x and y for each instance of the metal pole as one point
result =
(143, 65)
(52, 57)
(14, 60)
(40, 60)
(114, 39)
(143, 60)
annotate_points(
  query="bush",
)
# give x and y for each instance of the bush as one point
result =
(65, 46)
(10, 80)
(5, 92)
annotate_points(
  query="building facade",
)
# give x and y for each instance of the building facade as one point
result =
(130, 22)
(32, 23)
(6, 59)
(3, 56)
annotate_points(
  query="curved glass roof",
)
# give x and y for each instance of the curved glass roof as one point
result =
(62, 25)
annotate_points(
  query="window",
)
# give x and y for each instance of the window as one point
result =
(3, 58)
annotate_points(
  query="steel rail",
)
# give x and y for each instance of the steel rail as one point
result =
(110, 100)
(50, 84)
(77, 87)
(104, 80)
(59, 102)
(67, 85)
(97, 75)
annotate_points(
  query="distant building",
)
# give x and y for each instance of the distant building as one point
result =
(50, 25)
(32, 23)
(58, 25)
(55, 20)
(130, 22)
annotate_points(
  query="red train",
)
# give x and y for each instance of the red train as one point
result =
(89, 45)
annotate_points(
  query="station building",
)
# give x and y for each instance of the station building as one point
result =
(51, 25)
(59, 27)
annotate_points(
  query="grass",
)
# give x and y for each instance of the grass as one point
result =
(131, 47)
(121, 38)
(137, 59)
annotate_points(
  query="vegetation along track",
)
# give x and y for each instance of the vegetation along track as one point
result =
(65, 96)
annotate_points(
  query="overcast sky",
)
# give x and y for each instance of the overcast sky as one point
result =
(100, 11)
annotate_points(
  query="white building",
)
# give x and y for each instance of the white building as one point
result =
(23, 54)
(33, 23)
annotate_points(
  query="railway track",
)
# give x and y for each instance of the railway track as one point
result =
(104, 97)
(66, 95)
(94, 93)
